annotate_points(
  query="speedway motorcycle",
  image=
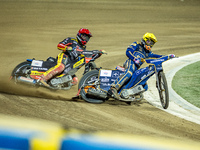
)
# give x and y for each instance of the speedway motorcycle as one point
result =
(94, 85)
(31, 70)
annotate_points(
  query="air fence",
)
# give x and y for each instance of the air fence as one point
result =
(29, 134)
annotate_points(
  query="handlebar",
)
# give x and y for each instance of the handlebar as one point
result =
(162, 59)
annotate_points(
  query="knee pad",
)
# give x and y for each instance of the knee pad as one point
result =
(75, 80)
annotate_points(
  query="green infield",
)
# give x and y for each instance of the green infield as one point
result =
(186, 83)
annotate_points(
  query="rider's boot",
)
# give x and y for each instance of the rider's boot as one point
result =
(43, 81)
(113, 93)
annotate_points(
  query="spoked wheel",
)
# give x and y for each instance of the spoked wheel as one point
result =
(21, 70)
(85, 83)
(89, 66)
(163, 90)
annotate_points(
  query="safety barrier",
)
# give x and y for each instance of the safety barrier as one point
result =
(28, 134)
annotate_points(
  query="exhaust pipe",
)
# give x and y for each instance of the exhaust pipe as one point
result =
(94, 93)
(26, 80)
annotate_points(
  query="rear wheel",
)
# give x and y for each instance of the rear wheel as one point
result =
(85, 83)
(163, 90)
(21, 70)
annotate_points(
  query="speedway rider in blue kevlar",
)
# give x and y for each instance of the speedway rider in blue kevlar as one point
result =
(135, 52)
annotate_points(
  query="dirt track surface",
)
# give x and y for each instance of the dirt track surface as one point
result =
(32, 29)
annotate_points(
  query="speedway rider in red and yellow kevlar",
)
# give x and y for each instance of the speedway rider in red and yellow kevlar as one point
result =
(135, 52)
(69, 47)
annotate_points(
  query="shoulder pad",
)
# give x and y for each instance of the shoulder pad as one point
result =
(135, 43)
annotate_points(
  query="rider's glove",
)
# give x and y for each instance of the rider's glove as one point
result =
(81, 55)
(171, 56)
(137, 61)
(68, 48)
(102, 51)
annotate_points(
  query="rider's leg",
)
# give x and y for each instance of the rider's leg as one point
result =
(57, 69)
(119, 82)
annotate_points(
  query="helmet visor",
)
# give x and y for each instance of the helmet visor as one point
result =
(85, 37)
(150, 43)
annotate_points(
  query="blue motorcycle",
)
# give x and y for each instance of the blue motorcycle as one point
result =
(94, 85)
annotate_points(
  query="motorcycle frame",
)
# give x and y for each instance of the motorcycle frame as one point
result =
(155, 66)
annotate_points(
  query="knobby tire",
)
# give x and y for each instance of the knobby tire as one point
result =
(163, 93)
(83, 82)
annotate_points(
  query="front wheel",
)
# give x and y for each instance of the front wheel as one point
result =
(85, 83)
(89, 66)
(163, 90)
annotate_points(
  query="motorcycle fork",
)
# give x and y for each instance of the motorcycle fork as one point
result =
(157, 81)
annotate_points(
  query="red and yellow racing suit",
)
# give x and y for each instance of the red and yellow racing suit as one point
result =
(69, 48)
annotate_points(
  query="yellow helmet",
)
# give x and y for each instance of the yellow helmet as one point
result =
(148, 40)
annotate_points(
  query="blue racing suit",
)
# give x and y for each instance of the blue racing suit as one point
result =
(134, 52)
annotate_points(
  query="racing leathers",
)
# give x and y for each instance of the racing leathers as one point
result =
(135, 52)
(69, 47)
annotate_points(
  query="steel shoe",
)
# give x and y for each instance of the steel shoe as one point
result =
(113, 93)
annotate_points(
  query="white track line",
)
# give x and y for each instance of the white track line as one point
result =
(177, 105)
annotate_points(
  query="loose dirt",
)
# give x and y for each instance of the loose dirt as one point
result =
(32, 29)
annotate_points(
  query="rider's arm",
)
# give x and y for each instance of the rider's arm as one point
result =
(134, 54)
(131, 50)
(68, 46)
(65, 45)
(155, 55)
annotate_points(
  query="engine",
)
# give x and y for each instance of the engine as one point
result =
(130, 92)
(60, 82)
